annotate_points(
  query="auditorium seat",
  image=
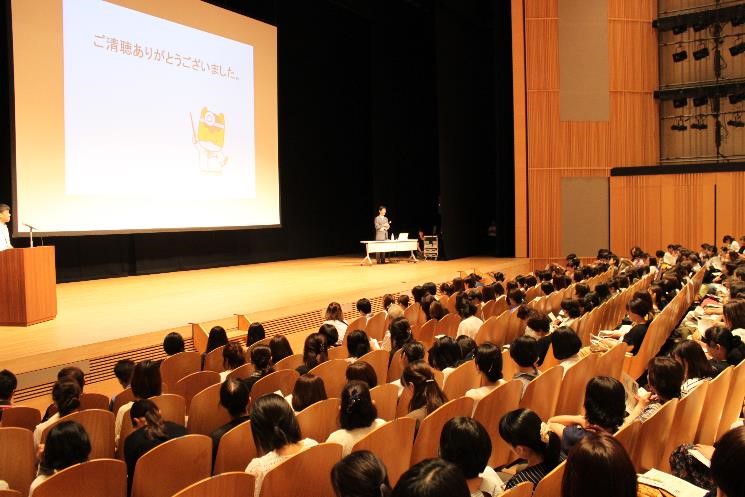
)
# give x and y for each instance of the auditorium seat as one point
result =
(340, 352)
(242, 372)
(649, 449)
(488, 332)
(233, 484)
(236, 449)
(177, 366)
(289, 362)
(396, 366)
(509, 368)
(392, 443)
(319, 420)
(283, 380)
(550, 485)
(21, 417)
(93, 401)
(17, 458)
(427, 442)
(376, 326)
(524, 489)
(627, 436)
(550, 360)
(306, 473)
(685, 423)
(333, 373)
(487, 310)
(385, 397)
(10, 493)
(214, 361)
(172, 407)
(573, 385)
(205, 412)
(716, 398)
(463, 378)
(192, 384)
(378, 359)
(97, 477)
(489, 412)
(611, 362)
(172, 466)
(733, 404)
(124, 397)
(98, 424)
(426, 333)
(542, 394)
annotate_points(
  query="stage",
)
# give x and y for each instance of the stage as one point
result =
(112, 316)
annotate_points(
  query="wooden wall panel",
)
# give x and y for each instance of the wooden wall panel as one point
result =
(521, 135)
(559, 149)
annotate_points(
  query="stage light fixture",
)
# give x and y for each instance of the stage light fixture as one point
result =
(736, 98)
(737, 48)
(680, 29)
(699, 101)
(680, 55)
(680, 102)
(701, 53)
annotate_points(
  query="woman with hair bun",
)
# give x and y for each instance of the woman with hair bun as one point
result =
(357, 416)
(66, 396)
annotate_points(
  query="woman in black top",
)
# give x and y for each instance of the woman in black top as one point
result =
(638, 310)
(234, 398)
(150, 431)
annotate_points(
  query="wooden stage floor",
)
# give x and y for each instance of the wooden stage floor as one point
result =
(103, 317)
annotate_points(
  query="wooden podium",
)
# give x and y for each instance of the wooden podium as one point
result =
(28, 286)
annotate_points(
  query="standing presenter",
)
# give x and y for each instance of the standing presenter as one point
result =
(382, 225)
(4, 234)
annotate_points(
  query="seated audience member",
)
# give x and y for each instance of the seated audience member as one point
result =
(474, 296)
(515, 298)
(458, 285)
(605, 409)
(360, 474)
(726, 463)
(638, 309)
(470, 323)
(364, 372)
(67, 444)
(446, 289)
(427, 302)
(232, 358)
(524, 351)
(431, 288)
(8, 385)
(538, 326)
(308, 390)
(395, 312)
(71, 373)
(357, 416)
(488, 293)
(566, 346)
(146, 383)
(725, 349)
(580, 291)
(467, 346)
(734, 315)
(665, 376)
(216, 338)
(234, 398)
(330, 334)
(315, 352)
(364, 308)
(444, 355)
(432, 478)
(150, 431)
(488, 360)
(410, 353)
(255, 333)
(403, 301)
(277, 436)
(437, 311)
(173, 344)
(599, 461)
(547, 288)
(532, 441)
(466, 443)
(280, 347)
(335, 316)
(358, 344)
(261, 358)
(400, 334)
(696, 367)
(66, 398)
(426, 395)
(570, 312)
(388, 299)
(603, 291)
(123, 372)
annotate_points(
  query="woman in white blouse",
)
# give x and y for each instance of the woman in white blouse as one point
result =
(277, 436)
(357, 416)
(335, 316)
(470, 324)
(488, 361)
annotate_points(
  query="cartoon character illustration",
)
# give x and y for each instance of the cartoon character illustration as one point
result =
(209, 138)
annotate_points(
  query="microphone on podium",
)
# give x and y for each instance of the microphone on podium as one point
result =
(29, 226)
(31, 234)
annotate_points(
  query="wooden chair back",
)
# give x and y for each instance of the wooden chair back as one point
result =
(542, 394)
(509, 368)
(214, 361)
(396, 366)
(205, 412)
(319, 420)
(289, 362)
(524, 489)
(10, 493)
(489, 412)
(733, 404)
(306, 473)
(649, 451)
(685, 423)
(402, 406)
(427, 441)
(611, 362)
(124, 397)
(573, 385)
(414, 314)
(385, 397)
(375, 327)
(21, 417)
(333, 373)
(378, 359)
(97, 477)
(426, 332)
(716, 398)
(93, 401)
(395, 456)
(242, 372)
(233, 484)
(199, 338)
(190, 385)
(172, 408)
(465, 377)
(627, 436)
(98, 424)
(178, 366)
(452, 325)
(488, 332)
(283, 381)
(515, 328)
(358, 323)
(172, 466)
(550, 485)
(17, 458)
(550, 360)
(340, 352)
(236, 449)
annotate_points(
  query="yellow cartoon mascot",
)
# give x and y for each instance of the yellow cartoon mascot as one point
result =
(209, 138)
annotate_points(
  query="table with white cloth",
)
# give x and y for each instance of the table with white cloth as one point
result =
(377, 246)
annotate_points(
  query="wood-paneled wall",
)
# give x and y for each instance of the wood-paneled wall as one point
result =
(690, 209)
(557, 149)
